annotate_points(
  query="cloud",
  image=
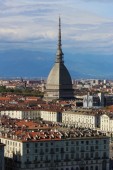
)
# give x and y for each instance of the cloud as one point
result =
(102, 1)
(34, 24)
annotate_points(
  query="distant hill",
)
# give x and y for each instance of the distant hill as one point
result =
(26, 63)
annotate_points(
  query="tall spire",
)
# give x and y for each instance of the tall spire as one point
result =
(59, 54)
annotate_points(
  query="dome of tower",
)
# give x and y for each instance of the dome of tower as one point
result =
(59, 77)
(59, 83)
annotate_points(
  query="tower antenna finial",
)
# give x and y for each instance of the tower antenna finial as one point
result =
(59, 54)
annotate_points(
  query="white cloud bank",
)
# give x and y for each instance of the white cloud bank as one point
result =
(34, 24)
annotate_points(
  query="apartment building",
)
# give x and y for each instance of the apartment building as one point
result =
(89, 119)
(49, 115)
(21, 114)
(86, 118)
(69, 149)
(79, 119)
(2, 156)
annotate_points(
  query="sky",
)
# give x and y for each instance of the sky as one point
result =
(29, 31)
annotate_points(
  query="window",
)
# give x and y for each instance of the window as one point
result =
(104, 155)
(73, 149)
(77, 148)
(91, 168)
(87, 155)
(82, 155)
(41, 165)
(96, 168)
(72, 142)
(87, 147)
(46, 150)
(35, 158)
(57, 149)
(27, 160)
(41, 158)
(35, 150)
(77, 155)
(72, 156)
(27, 145)
(82, 148)
(77, 143)
(46, 144)
(27, 150)
(104, 141)
(104, 167)
(67, 149)
(87, 168)
(96, 141)
(36, 144)
(66, 156)
(96, 147)
(92, 148)
(66, 143)
(92, 155)
(36, 165)
(62, 150)
(96, 155)
(46, 158)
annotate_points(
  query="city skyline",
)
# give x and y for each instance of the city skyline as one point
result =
(29, 34)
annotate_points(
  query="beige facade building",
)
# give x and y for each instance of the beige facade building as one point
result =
(21, 114)
(53, 116)
(79, 119)
(77, 150)
(85, 118)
